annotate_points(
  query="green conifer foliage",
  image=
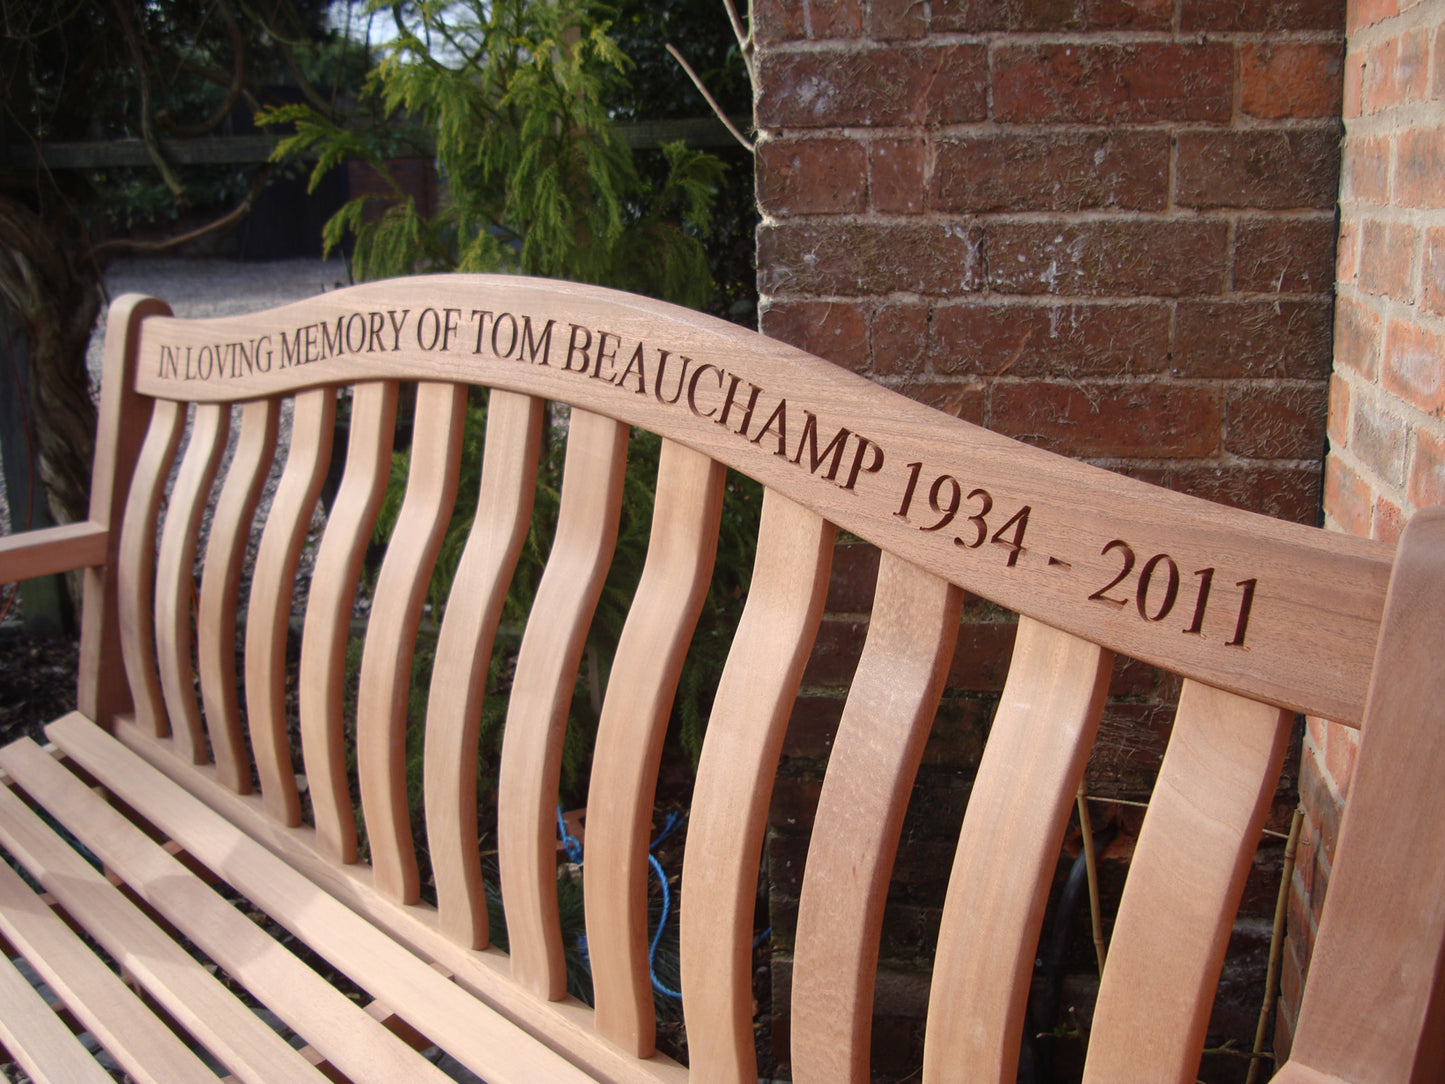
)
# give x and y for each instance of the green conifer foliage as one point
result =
(509, 95)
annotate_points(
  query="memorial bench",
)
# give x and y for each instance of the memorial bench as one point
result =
(193, 817)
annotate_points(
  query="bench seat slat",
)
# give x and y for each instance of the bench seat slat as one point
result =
(216, 627)
(175, 578)
(137, 565)
(630, 733)
(339, 556)
(93, 994)
(735, 774)
(566, 1023)
(542, 693)
(1008, 849)
(1185, 881)
(487, 1044)
(268, 614)
(875, 756)
(37, 1039)
(211, 1013)
(385, 682)
(464, 650)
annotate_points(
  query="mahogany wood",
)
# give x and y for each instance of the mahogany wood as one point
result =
(1258, 618)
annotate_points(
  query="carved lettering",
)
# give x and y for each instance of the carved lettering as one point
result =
(355, 322)
(866, 450)
(604, 354)
(635, 368)
(532, 346)
(396, 326)
(291, 349)
(835, 447)
(512, 335)
(662, 357)
(480, 315)
(331, 347)
(573, 349)
(421, 329)
(692, 389)
(168, 361)
(373, 338)
(311, 344)
(778, 423)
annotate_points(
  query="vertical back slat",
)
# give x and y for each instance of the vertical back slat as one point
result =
(865, 793)
(137, 572)
(1376, 990)
(217, 631)
(268, 615)
(1185, 881)
(385, 683)
(640, 690)
(542, 692)
(175, 576)
(339, 557)
(1008, 849)
(102, 690)
(735, 775)
(464, 649)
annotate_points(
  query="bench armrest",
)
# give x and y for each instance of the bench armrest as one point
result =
(52, 549)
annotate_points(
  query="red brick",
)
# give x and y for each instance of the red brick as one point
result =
(1432, 272)
(1033, 16)
(812, 176)
(1291, 79)
(1155, 257)
(1377, 439)
(1027, 339)
(880, 86)
(1340, 758)
(1271, 169)
(1363, 13)
(1357, 337)
(1413, 78)
(1224, 339)
(853, 258)
(1352, 103)
(900, 339)
(1427, 470)
(1099, 84)
(1158, 421)
(1275, 421)
(1437, 91)
(1387, 252)
(1347, 498)
(1396, 72)
(853, 578)
(895, 20)
(1347, 252)
(1285, 255)
(897, 175)
(1339, 411)
(1366, 166)
(1419, 166)
(837, 331)
(981, 657)
(1414, 366)
(1247, 15)
(1056, 172)
(786, 20)
(1389, 520)
(966, 399)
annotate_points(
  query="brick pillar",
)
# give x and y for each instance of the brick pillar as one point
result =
(1387, 394)
(1103, 227)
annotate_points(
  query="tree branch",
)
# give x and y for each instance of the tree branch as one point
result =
(711, 101)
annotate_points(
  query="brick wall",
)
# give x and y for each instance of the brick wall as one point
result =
(1103, 226)
(1387, 395)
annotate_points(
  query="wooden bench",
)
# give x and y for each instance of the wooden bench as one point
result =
(194, 819)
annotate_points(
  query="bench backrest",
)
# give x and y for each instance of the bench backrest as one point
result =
(1261, 618)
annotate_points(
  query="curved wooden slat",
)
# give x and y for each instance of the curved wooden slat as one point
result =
(728, 817)
(135, 598)
(1376, 988)
(216, 626)
(102, 691)
(1008, 850)
(381, 699)
(328, 616)
(542, 692)
(175, 575)
(865, 794)
(1185, 881)
(464, 648)
(268, 615)
(630, 733)
(857, 453)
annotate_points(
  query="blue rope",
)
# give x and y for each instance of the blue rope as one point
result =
(573, 846)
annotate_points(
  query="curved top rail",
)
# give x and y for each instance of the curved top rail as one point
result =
(1231, 598)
